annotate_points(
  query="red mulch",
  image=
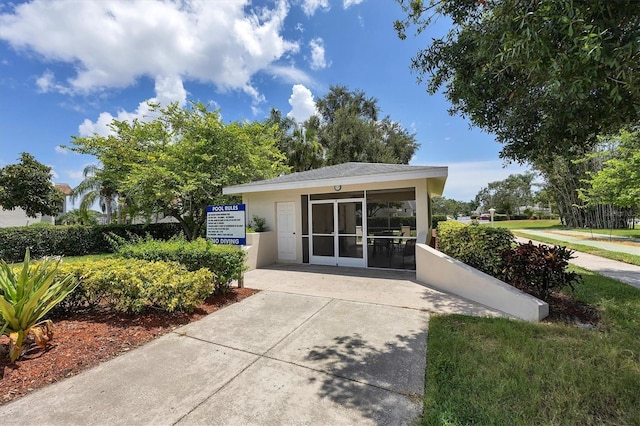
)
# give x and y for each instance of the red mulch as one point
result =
(84, 339)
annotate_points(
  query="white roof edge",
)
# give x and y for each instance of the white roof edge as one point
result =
(433, 172)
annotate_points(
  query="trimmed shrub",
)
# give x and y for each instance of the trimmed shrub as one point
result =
(227, 262)
(437, 218)
(132, 285)
(477, 246)
(538, 269)
(75, 240)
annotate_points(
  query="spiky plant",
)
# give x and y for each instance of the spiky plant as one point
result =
(26, 297)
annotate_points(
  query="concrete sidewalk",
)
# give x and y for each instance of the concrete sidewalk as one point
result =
(343, 355)
(624, 272)
(581, 238)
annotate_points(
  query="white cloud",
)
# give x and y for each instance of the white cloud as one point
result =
(54, 175)
(318, 60)
(61, 150)
(302, 104)
(348, 3)
(310, 6)
(168, 90)
(290, 74)
(111, 44)
(466, 179)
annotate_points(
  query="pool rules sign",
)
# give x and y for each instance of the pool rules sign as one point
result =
(227, 224)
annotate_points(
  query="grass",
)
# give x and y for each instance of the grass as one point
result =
(496, 371)
(613, 255)
(529, 224)
(633, 233)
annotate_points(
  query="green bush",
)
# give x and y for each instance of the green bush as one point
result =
(227, 262)
(477, 246)
(538, 269)
(437, 218)
(133, 285)
(76, 240)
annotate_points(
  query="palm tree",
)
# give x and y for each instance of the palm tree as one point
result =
(95, 187)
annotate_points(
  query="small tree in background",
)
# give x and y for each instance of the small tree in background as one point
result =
(28, 185)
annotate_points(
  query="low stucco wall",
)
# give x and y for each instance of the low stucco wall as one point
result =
(261, 248)
(443, 272)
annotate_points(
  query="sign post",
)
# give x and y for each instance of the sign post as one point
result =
(227, 224)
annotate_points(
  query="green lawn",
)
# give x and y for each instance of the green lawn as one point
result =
(503, 372)
(633, 233)
(614, 255)
(529, 224)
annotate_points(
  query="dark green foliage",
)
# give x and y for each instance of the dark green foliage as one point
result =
(72, 240)
(259, 224)
(477, 246)
(437, 218)
(27, 185)
(538, 269)
(227, 262)
(132, 285)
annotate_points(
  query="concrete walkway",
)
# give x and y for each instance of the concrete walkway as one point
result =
(630, 247)
(620, 271)
(316, 346)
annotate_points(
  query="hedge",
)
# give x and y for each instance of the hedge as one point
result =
(74, 240)
(132, 285)
(478, 246)
(227, 262)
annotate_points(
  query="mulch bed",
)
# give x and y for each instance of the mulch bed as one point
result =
(566, 309)
(85, 339)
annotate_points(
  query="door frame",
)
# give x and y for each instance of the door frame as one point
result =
(336, 260)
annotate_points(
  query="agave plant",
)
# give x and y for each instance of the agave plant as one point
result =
(26, 297)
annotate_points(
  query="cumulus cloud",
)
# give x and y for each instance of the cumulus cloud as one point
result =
(61, 150)
(168, 90)
(348, 3)
(318, 60)
(309, 7)
(302, 104)
(111, 44)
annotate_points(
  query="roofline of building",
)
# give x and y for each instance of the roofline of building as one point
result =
(425, 173)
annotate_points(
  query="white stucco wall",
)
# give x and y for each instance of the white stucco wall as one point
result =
(18, 217)
(443, 272)
(260, 250)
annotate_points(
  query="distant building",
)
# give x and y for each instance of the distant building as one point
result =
(18, 217)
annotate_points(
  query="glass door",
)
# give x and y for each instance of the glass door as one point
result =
(337, 234)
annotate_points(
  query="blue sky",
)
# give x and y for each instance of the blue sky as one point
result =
(68, 68)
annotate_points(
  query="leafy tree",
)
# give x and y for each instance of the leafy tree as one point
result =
(618, 181)
(450, 207)
(508, 195)
(28, 185)
(349, 129)
(178, 163)
(546, 77)
(297, 141)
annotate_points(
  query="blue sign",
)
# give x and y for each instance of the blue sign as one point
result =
(227, 224)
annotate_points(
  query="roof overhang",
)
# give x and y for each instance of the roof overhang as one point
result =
(437, 174)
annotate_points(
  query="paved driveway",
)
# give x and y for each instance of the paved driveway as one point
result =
(314, 347)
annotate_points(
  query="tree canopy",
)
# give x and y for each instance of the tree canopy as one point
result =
(28, 185)
(546, 77)
(346, 128)
(178, 163)
(508, 195)
(617, 182)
